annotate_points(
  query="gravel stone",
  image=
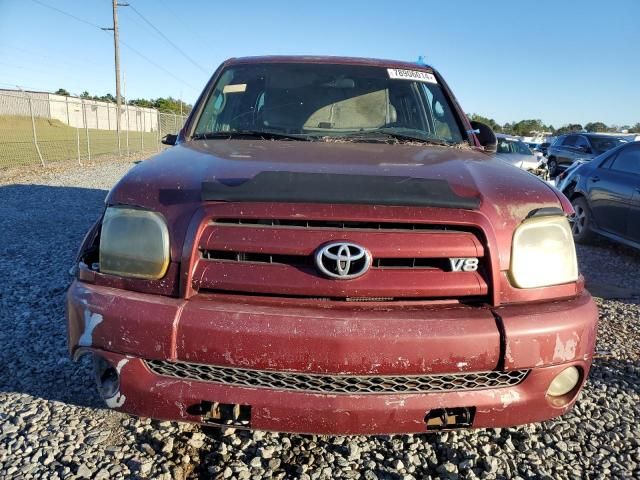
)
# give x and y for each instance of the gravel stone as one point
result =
(84, 472)
(53, 424)
(266, 452)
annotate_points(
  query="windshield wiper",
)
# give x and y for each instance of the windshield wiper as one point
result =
(261, 134)
(372, 134)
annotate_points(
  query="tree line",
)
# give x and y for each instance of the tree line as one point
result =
(162, 104)
(524, 128)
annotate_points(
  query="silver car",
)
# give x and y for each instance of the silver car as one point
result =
(514, 151)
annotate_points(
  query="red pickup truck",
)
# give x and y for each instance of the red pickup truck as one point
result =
(331, 248)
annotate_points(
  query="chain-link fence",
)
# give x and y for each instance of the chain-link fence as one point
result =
(43, 128)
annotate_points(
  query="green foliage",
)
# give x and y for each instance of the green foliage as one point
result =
(522, 128)
(525, 128)
(62, 91)
(572, 127)
(163, 104)
(596, 127)
(495, 126)
(167, 105)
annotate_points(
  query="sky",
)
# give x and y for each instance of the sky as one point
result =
(560, 61)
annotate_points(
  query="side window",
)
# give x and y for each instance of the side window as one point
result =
(582, 142)
(628, 160)
(440, 117)
(570, 141)
(503, 146)
(608, 161)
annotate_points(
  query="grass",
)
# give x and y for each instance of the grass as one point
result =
(58, 141)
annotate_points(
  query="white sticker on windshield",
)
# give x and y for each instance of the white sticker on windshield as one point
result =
(415, 75)
(235, 88)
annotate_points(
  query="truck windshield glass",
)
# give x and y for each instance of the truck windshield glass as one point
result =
(326, 101)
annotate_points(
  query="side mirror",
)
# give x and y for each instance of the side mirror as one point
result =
(170, 139)
(486, 137)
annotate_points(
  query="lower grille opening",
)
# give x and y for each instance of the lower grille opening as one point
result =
(449, 418)
(336, 384)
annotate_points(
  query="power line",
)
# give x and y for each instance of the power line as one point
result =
(178, 49)
(50, 58)
(158, 66)
(86, 22)
(194, 32)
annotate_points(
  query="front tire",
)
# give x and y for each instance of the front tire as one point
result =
(552, 165)
(582, 221)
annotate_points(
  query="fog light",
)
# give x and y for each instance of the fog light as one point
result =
(564, 382)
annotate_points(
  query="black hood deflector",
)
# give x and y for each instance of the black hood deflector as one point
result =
(334, 188)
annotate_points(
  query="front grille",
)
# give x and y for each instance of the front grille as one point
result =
(277, 256)
(333, 224)
(308, 260)
(337, 384)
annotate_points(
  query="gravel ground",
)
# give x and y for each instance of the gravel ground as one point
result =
(52, 424)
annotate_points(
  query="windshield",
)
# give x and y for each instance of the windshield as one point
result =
(506, 145)
(324, 101)
(602, 144)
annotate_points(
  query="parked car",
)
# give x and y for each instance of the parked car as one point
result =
(562, 179)
(537, 148)
(515, 152)
(544, 148)
(329, 248)
(605, 194)
(579, 146)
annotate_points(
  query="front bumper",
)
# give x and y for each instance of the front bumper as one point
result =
(128, 328)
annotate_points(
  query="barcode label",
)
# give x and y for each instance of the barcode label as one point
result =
(414, 75)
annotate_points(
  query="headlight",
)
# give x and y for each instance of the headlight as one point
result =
(543, 253)
(134, 243)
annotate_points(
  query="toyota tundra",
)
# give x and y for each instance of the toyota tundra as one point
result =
(331, 247)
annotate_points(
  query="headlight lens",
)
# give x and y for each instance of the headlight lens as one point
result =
(134, 243)
(543, 253)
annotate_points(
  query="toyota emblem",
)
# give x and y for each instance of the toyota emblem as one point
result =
(343, 260)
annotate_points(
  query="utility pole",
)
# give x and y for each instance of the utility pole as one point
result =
(116, 48)
(126, 106)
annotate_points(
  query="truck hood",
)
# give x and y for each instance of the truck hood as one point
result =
(171, 182)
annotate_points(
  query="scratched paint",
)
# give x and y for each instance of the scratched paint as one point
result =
(509, 397)
(121, 364)
(565, 351)
(91, 321)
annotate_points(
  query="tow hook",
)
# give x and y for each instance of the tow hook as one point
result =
(449, 418)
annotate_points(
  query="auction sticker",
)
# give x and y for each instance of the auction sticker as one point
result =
(415, 75)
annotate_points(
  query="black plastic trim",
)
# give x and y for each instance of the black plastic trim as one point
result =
(340, 189)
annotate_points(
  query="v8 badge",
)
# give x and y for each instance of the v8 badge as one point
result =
(464, 264)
